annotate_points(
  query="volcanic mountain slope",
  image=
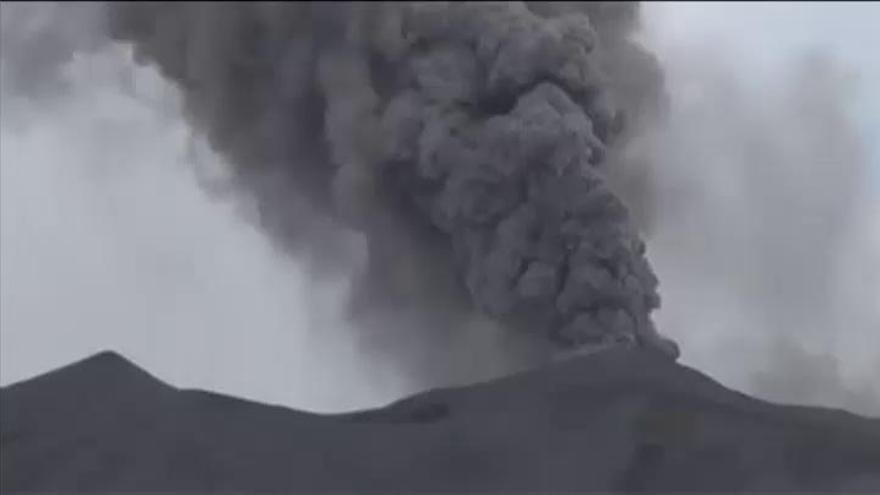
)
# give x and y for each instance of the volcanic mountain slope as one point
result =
(617, 421)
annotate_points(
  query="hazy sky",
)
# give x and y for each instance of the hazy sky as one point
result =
(767, 241)
(762, 38)
(107, 241)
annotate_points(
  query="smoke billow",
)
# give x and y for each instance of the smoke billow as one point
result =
(466, 143)
(463, 162)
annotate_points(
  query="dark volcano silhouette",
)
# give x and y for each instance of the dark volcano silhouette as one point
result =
(617, 421)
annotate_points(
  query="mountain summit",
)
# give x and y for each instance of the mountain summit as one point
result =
(616, 421)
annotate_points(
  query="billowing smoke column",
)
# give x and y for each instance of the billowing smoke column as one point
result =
(468, 142)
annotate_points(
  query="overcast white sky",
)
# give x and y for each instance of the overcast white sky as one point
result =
(762, 38)
(107, 242)
(768, 238)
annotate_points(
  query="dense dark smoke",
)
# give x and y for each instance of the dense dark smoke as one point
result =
(391, 124)
(470, 144)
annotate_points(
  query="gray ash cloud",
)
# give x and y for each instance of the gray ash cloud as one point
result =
(469, 143)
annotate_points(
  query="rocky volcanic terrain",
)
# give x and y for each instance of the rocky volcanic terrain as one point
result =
(617, 421)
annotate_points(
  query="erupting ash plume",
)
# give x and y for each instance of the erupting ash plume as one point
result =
(469, 143)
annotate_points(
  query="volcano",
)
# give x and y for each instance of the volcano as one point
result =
(621, 420)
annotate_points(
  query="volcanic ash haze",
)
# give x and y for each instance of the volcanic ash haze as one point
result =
(468, 143)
